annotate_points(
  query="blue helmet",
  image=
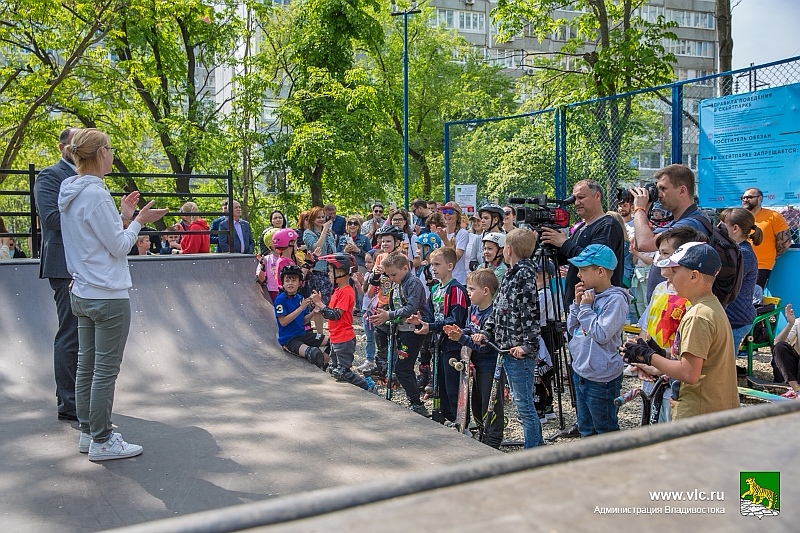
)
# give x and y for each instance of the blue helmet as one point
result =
(431, 240)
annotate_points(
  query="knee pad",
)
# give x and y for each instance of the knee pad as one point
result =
(315, 356)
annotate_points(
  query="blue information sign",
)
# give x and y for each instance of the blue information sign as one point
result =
(750, 140)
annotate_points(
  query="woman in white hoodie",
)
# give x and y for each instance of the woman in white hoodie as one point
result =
(96, 247)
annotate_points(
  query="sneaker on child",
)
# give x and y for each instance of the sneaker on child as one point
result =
(367, 366)
(420, 409)
(791, 394)
(113, 448)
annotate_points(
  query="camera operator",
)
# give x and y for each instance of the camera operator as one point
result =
(675, 185)
(595, 227)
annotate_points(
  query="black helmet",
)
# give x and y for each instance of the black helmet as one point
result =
(394, 231)
(343, 261)
(291, 270)
(493, 209)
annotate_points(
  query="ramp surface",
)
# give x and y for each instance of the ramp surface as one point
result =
(224, 415)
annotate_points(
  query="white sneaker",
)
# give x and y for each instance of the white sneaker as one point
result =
(113, 448)
(83, 442)
(367, 366)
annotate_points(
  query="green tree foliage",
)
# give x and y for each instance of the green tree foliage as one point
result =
(612, 51)
(440, 90)
(168, 51)
(41, 45)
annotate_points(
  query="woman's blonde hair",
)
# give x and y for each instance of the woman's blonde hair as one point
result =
(190, 207)
(86, 143)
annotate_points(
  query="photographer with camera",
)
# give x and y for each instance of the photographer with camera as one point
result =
(595, 228)
(675, 190)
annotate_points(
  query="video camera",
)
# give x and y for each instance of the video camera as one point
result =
(538, 212)
(625, 196)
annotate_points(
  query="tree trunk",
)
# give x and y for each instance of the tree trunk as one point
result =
(724, 17)
(315, 184)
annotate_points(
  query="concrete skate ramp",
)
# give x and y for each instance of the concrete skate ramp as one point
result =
(224, 415)
(682, 476)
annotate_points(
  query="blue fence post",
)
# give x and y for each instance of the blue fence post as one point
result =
(446, 162)
(560, 186)
(677, 124)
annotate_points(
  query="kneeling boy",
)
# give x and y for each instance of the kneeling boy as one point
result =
(293, 316)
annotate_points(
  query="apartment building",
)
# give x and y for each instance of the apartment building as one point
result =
(695, 51)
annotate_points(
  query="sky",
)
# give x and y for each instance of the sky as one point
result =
(765, 30)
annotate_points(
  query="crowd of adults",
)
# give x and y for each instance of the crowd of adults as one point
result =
(80, 220)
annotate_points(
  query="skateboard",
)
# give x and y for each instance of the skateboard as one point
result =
(463, 366)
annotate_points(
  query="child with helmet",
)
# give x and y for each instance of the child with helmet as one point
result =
(267, 268)
(293, 314)
(284, 242)
(339, 314)
(389, 238)
(493, 244)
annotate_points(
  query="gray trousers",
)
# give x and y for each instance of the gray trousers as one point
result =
(102, 333)
(65, 348)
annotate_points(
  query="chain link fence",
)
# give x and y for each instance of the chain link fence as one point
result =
(618, 141)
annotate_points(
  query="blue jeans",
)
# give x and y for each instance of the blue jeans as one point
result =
(738, 336)
(102, 333)
(520, 377)
(369, 335)
(595, 401)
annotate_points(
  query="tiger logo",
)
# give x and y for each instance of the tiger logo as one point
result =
(758, 494)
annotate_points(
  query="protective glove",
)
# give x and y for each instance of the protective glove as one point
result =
(638, 352)
(656, 348)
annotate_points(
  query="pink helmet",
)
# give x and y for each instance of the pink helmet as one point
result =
(282, 238)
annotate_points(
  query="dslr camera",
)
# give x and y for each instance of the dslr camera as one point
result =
(625, 196)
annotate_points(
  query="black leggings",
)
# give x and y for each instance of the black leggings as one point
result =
(407, 349)
(787, 360)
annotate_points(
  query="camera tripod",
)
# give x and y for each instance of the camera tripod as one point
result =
(554, 310)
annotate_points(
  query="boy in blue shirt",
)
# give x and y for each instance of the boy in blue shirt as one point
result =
(293, 315)
(482, 285)
(595, 320)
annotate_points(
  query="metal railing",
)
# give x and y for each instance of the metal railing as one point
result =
(25, 215)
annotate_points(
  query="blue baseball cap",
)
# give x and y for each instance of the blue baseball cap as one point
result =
(694, 256)
(596, 254)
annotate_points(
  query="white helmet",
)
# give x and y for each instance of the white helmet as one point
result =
(498, 238)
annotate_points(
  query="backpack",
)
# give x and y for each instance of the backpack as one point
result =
(729, 279)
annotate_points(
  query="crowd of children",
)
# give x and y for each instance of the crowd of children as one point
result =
(412, 306)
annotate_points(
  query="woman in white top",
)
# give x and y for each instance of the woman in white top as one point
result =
(96, 248)
(454, 236)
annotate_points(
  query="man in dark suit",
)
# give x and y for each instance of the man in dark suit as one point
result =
(243, 242)
(338, 227)
(214, 238)
(53, 265)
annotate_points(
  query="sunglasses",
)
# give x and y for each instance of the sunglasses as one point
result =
(448, 211)
(352, 222)
(748, 197)
(379, 211)
(397, 221)
(508, 213)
